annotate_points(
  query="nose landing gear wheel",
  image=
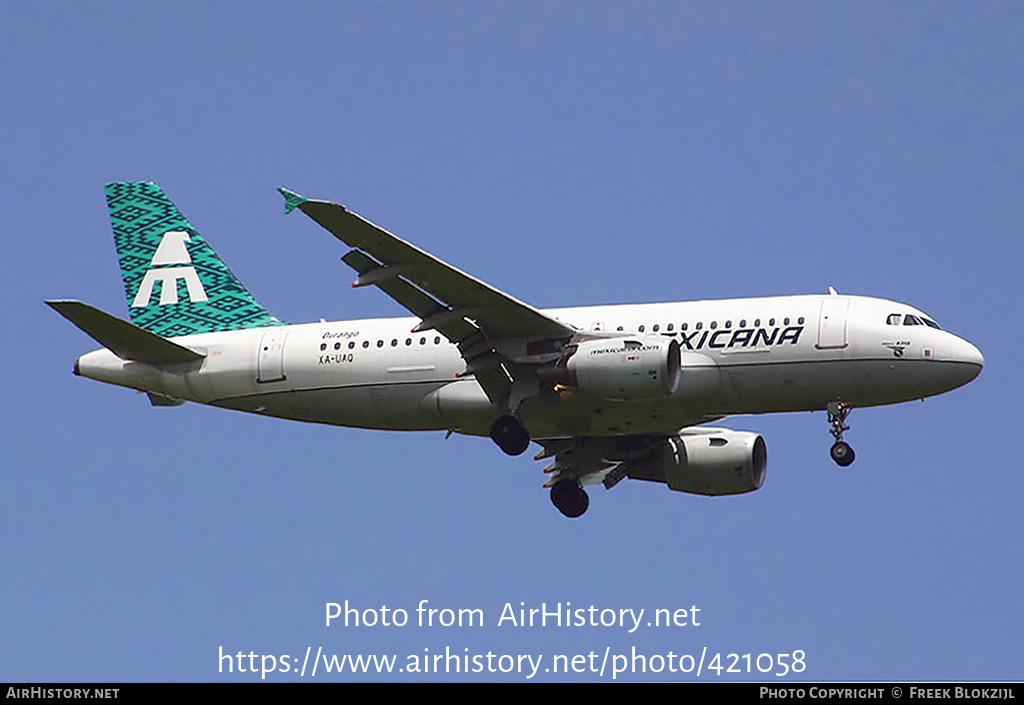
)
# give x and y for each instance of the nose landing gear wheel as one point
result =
(510, 435)
(842, 453)
(570, 499)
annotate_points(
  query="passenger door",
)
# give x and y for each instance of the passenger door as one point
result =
(832, 322)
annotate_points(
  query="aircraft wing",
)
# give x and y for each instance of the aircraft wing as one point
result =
(472, 314)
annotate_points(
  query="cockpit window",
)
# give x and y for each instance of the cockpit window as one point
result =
(895, 319)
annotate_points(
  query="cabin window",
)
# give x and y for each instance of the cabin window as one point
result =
(683, 326)
(437, 340)
(337, 346)
(757, 323)
(656, 328)
(366, 343)
(714, 324)
(771, 321)
(699, 326)
(380, 343)
(641, 329)
(351, 345)
(671, 327)
(323, 346)
(619, 328)
(423, 341)
(728, 324)
(785, 321)
(800, 321)
(743, 323)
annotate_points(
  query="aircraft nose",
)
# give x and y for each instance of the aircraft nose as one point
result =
(974, 356)
(969, 357)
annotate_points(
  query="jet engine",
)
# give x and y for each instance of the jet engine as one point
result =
(628, 368)
(707, 461)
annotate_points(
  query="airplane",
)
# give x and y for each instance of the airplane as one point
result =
(607, 392)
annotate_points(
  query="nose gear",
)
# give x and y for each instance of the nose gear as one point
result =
(841, 451)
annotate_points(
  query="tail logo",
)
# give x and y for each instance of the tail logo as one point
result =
(171, 251)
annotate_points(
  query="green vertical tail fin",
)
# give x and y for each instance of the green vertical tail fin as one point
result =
(175, 283)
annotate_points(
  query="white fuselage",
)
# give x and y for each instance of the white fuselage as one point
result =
(739, 356)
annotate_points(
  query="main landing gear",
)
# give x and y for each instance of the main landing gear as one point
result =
(510, 435)
(570, 499)
(567, 495)
(841, 451)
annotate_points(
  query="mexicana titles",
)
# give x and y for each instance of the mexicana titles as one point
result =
(739, 338)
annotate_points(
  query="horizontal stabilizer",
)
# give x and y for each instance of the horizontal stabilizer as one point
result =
(124, 339)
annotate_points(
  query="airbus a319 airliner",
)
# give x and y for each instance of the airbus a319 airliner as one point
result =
(607, 392)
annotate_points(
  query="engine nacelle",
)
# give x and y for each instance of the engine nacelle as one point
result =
(708, 461)
(627, 368)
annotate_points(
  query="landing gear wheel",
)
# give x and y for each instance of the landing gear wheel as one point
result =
(570, 499)
(510, 435)
(842, 453)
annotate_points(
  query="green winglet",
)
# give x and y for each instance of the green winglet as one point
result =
(292, 200)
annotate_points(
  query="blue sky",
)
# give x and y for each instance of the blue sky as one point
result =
(568, 153)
